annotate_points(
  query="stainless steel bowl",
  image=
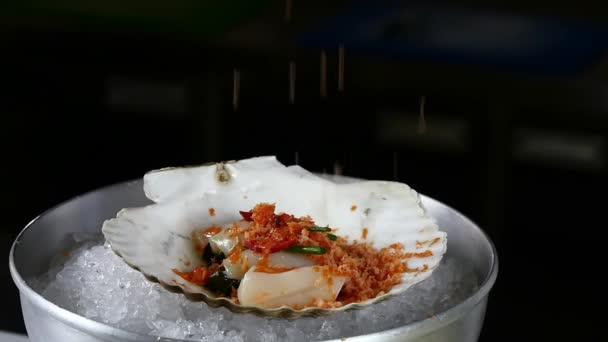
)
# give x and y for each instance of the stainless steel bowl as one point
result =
(46, 235)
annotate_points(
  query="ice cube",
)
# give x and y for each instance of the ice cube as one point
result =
(95, 283)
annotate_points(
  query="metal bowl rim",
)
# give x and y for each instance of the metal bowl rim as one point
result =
(93, 327)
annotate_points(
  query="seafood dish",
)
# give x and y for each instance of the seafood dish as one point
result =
(257, 236)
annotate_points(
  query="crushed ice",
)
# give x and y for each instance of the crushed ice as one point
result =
(95, 283)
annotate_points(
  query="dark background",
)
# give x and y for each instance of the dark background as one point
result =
(99, 92)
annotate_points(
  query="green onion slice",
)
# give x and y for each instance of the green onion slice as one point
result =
(320, 229)
(306, 249)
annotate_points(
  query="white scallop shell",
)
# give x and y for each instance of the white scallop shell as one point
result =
(156, 239)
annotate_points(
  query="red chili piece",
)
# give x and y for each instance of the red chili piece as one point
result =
(246, 215)
(269, 245)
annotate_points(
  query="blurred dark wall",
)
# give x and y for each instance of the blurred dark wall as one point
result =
(521, 153)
